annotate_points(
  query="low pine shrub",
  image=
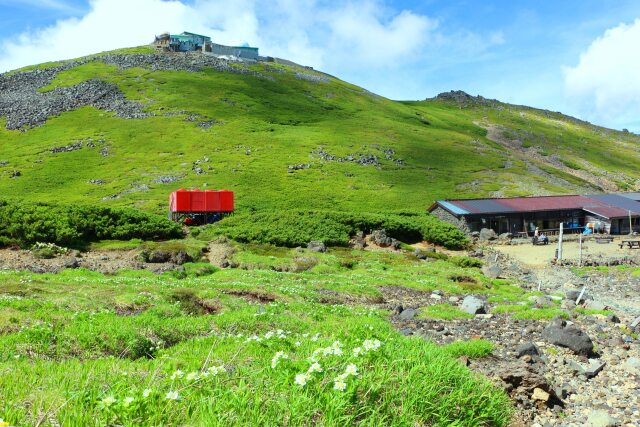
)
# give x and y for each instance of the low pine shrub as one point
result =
(71, 226)
(298, 227)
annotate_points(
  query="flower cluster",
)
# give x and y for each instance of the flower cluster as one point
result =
(367, 346)
(335, 349)
(276, 358)
(278, 333)
(350, 370)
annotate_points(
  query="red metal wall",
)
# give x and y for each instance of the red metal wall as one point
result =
(201, 201)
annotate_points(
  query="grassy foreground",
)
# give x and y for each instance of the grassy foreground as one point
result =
(246, 346)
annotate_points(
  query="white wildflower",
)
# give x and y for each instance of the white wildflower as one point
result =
(108, 401)
(177, 374)
(222, 369)
(276, 358)
(315, 367)
(301, 379)
(315, 337)
(146, 392)
(357, 351)
(172, 395)
(351, 370)
(339, 383)
(268, 335)
(127, 401)
(193, 376)
(298, 343)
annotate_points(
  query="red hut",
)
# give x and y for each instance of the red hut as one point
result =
(200, 206)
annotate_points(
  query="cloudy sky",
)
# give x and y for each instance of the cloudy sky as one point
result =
(575, 56)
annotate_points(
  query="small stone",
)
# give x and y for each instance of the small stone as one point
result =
(594, 368)
(492, 271)
(632, 366)
(406, 331)
(601, 419)
(473, 305)
(540, 394)
(436, 297)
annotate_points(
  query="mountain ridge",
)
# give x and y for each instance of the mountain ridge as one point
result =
(127, 127)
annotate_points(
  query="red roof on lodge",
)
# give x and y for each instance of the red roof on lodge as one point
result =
(607, 206)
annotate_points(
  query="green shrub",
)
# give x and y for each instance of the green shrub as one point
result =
(298, 227)
(74, 225)
(466, 262)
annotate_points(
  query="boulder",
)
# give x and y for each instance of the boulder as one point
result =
(492, 271)
(572, 294)
(505, 236)
(180, 258)
(527, 349)
(408, 314)
(563, 335)
(159, 257)
(595, 305)
(487, 234)
(474, 305)
(316, 246)
(71, 262)
(380, 238)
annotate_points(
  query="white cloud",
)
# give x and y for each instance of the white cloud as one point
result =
(363, 41)
(605, 85)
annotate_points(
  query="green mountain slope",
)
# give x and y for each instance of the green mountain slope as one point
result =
(288, 137)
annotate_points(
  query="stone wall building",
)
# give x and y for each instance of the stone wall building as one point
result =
(605, 213)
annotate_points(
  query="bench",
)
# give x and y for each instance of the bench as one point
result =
(604, 239)
(631, 244)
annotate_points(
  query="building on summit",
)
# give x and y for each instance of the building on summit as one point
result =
(191, 42)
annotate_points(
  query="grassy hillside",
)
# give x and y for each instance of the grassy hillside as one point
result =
(243, 129)
(237, 347)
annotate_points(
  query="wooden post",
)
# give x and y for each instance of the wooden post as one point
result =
(560, 242)
(630, 225)
(580, 252)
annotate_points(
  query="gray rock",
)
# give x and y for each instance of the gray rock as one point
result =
(527, 349)
(408, 314)
(601, 419)
(594, 368)
(71, 262)
(492, 271)
(573, 294)
(316, 246)
(474, 305)
(596, 305)
(505, 236)
(406, 331)
(635, 323)
(632, 366)
(558, 333)
(541, 301)
(487, 234)
(380, 238)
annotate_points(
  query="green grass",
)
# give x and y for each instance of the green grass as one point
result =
(444, 311)
(270, 120)
(593, 311)
(526, 311)
(81, 348)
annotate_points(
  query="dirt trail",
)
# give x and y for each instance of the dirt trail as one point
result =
(531, 156)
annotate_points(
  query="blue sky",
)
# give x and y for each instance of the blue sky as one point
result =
(578, 57)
